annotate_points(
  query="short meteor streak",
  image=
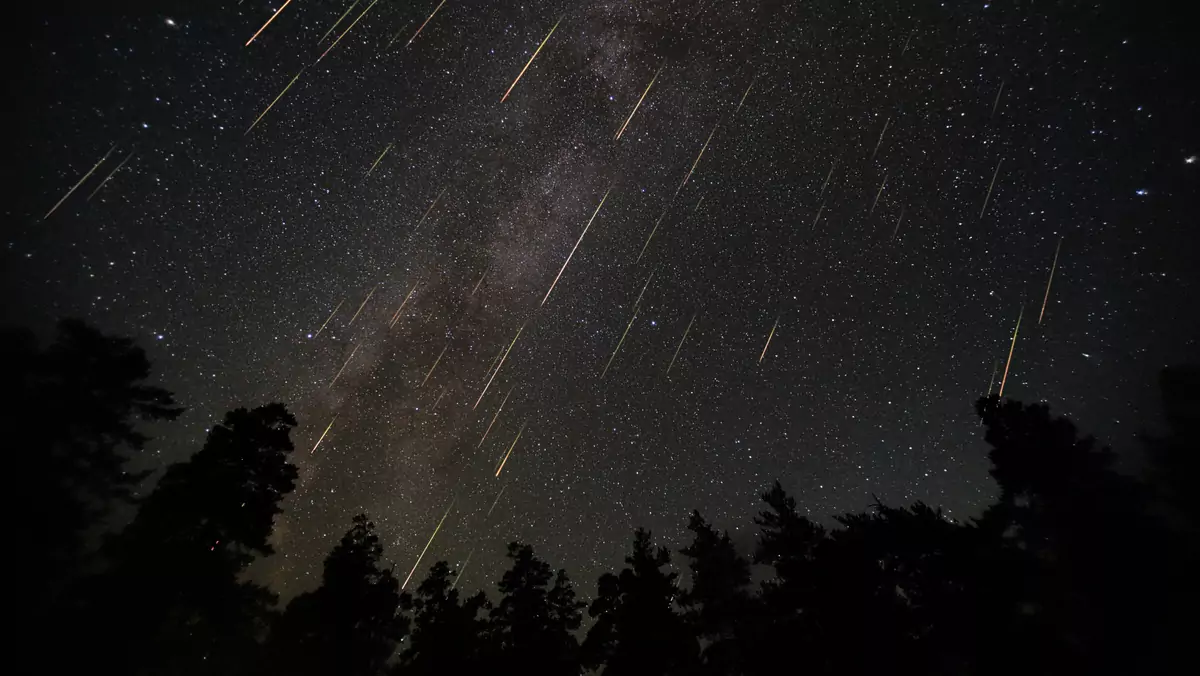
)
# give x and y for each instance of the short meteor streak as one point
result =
(110, 175)
(639, 103)
(496, 501)
(1050, 280)
(435, 363)
(489, 427)
(698, 203)
(268, 109)
(898, 222)
(880, 141)
(364, 304)
(348, 29)
(380, 158)
(827, 177)
(680, 345)
(535, 53)
(339, 21)
(465, 563)
(510, 450)
(990, 186)
(76, 186)
(906, 43)
(997, 101)
(881, 187)
(431, 537)
(619, 343)
(485, 271)
(1011, 347)
(331, 314)
(652, 231)
(992, 382)
(268, 23)
(438, 400)
(396, 317)
(435, 11)
(702, 149)
(430, 209)
(327, 428)
(747, 93)
(339, 373)
(498, 367)
(818, 216)
(769, 337)
(566, 262)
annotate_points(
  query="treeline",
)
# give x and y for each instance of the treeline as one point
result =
(1074, 569)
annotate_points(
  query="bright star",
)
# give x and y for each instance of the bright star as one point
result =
(1142, 192)
(1190, 159)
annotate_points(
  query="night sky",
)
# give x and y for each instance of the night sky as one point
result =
(877, 188)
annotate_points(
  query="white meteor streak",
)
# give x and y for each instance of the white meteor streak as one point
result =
(431, 537)
(566, 262)
(639, 103)
(680, 345)
(990, 186)
(76, 186)
(498, 367)
(489, 427)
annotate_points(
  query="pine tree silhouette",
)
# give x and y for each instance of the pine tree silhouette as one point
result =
(718, 601)
(448, 636)
(531, 626)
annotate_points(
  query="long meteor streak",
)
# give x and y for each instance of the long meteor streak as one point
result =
(348, 29)
(652, 231)
(881, 187)
(535, 53)
(268, 108)
(435, 11)
(327, 428)
(431, 537)
(339, 21)
(1010, 351)
(769, 337)
(880, 141)
(331, 314)
(396, 317)
(990, 186)
(639, 103)
(380, 158)
(268, 23)
(489, 427)
(110, 175)
(498, 367)
(430, 209)
(619, 343)
(435, 363)
(510, 450)
(702, 149)
(1050, 280)
(360, 307)
(339, 373)
(76, 186)
(566, 262)
(680, 345)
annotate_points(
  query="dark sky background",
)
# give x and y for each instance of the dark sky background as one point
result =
(224, 252)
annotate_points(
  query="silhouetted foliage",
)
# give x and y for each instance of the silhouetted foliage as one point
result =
(719, 595)
(448, 636)
(531, 626)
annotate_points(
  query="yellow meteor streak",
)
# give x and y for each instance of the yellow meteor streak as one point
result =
(769, 337)
(495, 360)
(652, 231)
(500, 366)
(619, 342)
(435, 363)
(380, 158)
(364, 304)
(339, 21)
(1051, 279)
(510, 450)
(110, 175)
(431, 206)
(639, 103)
(331, 314)
(881, 187)
(339, 373)
(327, 428)
(702, 149)
(747, 93)
(431, 537)
(535, 53)
(76, 186)
(268, 23)
(348, 29)
(680, 345)
(268, 109)
(990, 186)
(396, 317)
(469, 555)
(898, 222)
(880, 141)
(1010, 352)
(566, 262)
(435, 11)
(489, 427)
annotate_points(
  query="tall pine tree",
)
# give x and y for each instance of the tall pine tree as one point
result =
(718, 601)
(448, 634)
(532, 625)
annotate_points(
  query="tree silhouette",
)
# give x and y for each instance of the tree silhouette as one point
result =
(531, 626)
(718, 601)
(448, 637)
(637, 631)
(349, 625)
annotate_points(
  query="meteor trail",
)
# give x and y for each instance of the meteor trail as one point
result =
(818, 216)
(510, 450)
(396, 317)
(438, 400)
(906, 42)
(268, 23)
(339, 373)
(339, 21)
(992, 382)
(268, 109)
(348, 29)
(990, 186)
(535, 53)
(470, 553)
(489, 427)
(698, 203)
(702, 149)
(997, 101)
(110, 175)
(327, 427)
(1010, 352)
(331, 314)
(76, 186)
(380, 158)
(618, 347)
(898, 222)
(435, 363)
(769, 337)
(431, 537)
(435, 11)
(652, 231)
(680, 345)
(639, 103)
(880, 141)
(427, 211)
(496, 501)
(485, 271)
(585, 229)
(1051, 279)
(644, 287)
(360, 307)
(827, 177)
(881, 187)
(744, 95)
(498, 367)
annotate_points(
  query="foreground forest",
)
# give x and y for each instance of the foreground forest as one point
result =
(1075, 568)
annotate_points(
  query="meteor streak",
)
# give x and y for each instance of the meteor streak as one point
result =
(639, 103)
(431, 537)
(380, 158)
(652, 231)
(327, 428)
(76, 186)
(435, 11)
(997, 101)
(331, 314)
(500, 366)
(585, 229)
(485, 271)
(827, 177)
(769, 337)
(906, 42)
(489, 427)
(438, 400)
(880, 141)
(898, 222)
(992, 382)
(268, 23)
(747, 93)
(510, 450)
(990, 186)
(1010, 352)
(435, 363)
(470, 553)
(881, 187)
(268, 109)
(702, 149)
(348, 29)
(427, 211)
(698, 203)
(1051, 279)
(535, 53)
(496, 501)
(110, 175)
(618, 347)
(339, 373)
(396, 317)
(680, 345)
(339, 21)
(644, 287)
(364, 304)
(818, 216)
